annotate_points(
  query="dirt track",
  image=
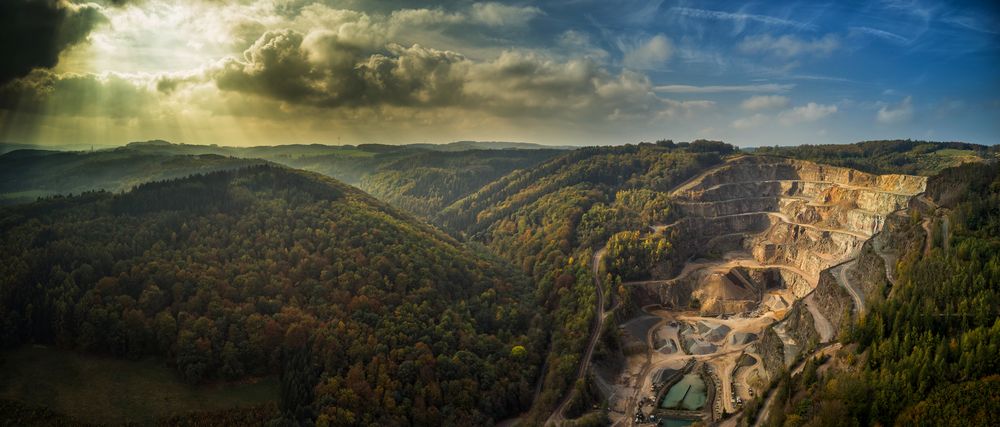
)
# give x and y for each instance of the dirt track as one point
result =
(600, 315)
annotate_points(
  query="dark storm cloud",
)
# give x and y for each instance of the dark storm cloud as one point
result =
(327, 70)
(34, 32)
(342, 69)
(43, 91)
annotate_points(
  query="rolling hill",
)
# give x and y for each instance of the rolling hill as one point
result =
(420, 179)
(367, 315)
(542, 300)
(895, 156)
(550, 219)
(26, 175)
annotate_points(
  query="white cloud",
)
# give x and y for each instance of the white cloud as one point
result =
(739, 19)
(973, 23)
(499, 15)
(423, 17)
(766, 88)
(580, 44)
(648, 54)
(881, 34)
(764, 102)
(788, 46)
(318, 70)
(750, 122)
(899, 114)
(806, 113)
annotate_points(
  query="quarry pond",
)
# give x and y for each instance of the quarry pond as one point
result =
(689, 393)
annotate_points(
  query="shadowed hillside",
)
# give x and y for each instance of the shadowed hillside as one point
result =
(367, 315)
(28, 174)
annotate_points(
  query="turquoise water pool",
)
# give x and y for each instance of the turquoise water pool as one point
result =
(687, 394)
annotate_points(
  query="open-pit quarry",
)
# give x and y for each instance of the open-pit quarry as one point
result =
(764, 266)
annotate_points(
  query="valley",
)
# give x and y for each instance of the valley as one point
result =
(306, 213)
(627, 285)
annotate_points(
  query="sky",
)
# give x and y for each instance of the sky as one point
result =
(571, 72)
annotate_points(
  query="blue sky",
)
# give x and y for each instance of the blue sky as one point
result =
(569, 72)
(931, 67)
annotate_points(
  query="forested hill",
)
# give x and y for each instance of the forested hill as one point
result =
(369, 317)
(26, 175)
(548, 220)
(426, 182)
(420, 179)
(890, 156)
(653, 167)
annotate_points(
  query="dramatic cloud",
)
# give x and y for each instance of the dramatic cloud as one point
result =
(110, 95)
(325, 69)
(788, 46)
(765, 102)
(900, 113)
(34, 32)
(273, 71)
(806, 113)
(347, 67)
(648, 54)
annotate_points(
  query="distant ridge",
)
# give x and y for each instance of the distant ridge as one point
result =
(375, 147)
(490, 145)
(6, 147)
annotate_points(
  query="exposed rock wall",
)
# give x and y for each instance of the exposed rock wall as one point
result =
(729, 207)
(799, 324)
(784, 342)
(791, 221)
(833, 301)
(869, 272)
(705, 228)
(777, 278)
(772, 352)
(757, 168)
(832, 216)
(806, 248)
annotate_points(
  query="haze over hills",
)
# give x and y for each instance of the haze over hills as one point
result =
(28, 174)
(489, 145)
(6, 147)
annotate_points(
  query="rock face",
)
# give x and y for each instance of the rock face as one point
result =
(757, 235)
(771, 349)
(761, 168)
(759, 223)
(832, 300)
